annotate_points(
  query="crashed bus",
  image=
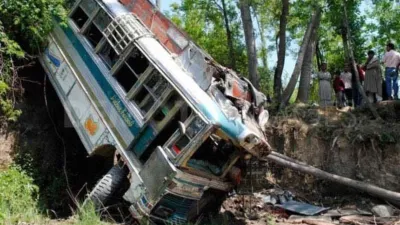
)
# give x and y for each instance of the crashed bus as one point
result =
(137, 89)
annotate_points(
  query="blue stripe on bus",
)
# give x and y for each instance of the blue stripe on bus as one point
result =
(144, 141)
(111, 94)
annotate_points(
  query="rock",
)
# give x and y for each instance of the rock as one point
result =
(301, 219)
(382, 211)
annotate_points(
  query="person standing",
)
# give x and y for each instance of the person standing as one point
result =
(373, 77)
(391, 61)
(338, 87)
(325, 89)
(346, 77)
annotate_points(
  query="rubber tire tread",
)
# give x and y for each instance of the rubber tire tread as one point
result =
(107, 186)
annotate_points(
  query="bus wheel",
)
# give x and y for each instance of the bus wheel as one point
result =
(107, 186)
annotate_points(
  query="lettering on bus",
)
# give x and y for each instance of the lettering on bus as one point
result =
(122, 111)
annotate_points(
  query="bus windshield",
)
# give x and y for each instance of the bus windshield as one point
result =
(214, 156)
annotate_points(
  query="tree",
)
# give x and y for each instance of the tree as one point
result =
(385, 24)
(348, 46)
(281, 51)
(29, 22)
(228, 35)
(250, 42)
(24, 28)
(205, 23)
(313, 25)
(306, 69)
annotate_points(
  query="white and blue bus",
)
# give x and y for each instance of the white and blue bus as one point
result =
(178, 122)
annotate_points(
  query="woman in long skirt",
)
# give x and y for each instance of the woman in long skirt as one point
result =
(325, 89)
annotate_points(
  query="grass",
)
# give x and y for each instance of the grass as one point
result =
(19, 202)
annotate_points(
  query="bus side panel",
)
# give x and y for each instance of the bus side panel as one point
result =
(83, 115)
(99, 85)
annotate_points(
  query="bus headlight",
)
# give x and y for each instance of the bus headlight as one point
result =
(252, 140)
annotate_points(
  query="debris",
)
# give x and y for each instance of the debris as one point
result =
(346, 212)
(299, 219)
(269, 200)
(356, 220)
(302, 208)
(316, 222)
(382, 211)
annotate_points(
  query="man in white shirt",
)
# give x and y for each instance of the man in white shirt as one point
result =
(391, 61)
(348, 87)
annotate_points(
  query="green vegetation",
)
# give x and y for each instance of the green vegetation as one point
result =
(18, 198)
(19, 202)
(24, 26)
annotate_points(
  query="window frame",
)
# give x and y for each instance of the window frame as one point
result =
(91, 21)
(194, 142)
(193, 146)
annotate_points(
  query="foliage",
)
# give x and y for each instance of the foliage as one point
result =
(18, 197)
(19, 201)
(28, 22)
(24, 27)
(203, 21)
(87, 215)
(383, 25)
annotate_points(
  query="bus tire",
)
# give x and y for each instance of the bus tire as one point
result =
(107, 186)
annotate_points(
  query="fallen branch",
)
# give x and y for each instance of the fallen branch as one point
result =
(376, 191)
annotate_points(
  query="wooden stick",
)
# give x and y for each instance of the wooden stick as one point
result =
(376, 191)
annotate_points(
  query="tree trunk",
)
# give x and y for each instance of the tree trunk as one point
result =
(350, 54)
(281, 51)
(320, 58)
(314, 24)
(264, 55)
(345, 40)
(250, 42)
(306, 69)
(229, 36)
(288, 162)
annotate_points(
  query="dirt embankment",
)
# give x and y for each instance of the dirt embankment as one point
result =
(33, 144)
(347, 143)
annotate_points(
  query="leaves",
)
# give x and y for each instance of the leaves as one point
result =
(28, 22)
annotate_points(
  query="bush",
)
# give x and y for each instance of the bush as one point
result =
(18, 197)
(29, 22)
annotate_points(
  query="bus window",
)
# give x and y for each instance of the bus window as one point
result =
(213, 156)
(82, 13)
(88, 6)
(137, 62)
(144, 100)
(108, 55)
(171, 125)
(79, 17)
(128, 73)
(163, 111)
(102, 20)
(156, 84)
(94, 31)
(179, 141)
(147, 93)
(125, 77)
(93, 34)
